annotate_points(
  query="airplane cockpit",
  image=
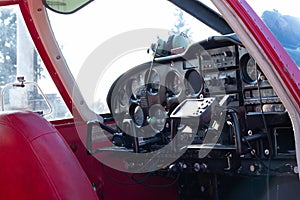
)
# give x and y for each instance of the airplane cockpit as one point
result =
(208, 111)
(180, 118)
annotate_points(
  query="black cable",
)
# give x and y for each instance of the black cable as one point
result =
(268, 136)
(162, 186)
(140, 181)
(150, 160)
(115, 180)
(237, 131)
(268, 179)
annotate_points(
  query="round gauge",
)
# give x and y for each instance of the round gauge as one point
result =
(194, 83)
(173, 84)
(250, 70)
(136, 85)
(158, 117)
(134, 88)
(138, 116)
(153, 82)
(123, 97)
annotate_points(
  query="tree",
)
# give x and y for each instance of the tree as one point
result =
(8, 49)
(179, 36)
(180, 25)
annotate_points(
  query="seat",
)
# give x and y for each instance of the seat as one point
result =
(37, 163)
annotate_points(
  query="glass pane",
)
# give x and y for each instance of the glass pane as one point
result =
(96, 26)
(19, 58)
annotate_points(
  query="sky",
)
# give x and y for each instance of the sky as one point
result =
(289, 7)
(102, 20)
(81, 33)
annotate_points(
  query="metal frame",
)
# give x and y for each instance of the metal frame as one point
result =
(36, 19)
(281, 71)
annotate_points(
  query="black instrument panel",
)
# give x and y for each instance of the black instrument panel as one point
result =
(220, 72)
(169, 81)
(151, 84)
(202, 71)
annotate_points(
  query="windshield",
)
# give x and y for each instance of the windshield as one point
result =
(25, 83)
(108, 40)
(95, 28)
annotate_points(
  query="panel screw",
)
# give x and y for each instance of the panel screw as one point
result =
(267, 152)
(296, 170)
(250, 132)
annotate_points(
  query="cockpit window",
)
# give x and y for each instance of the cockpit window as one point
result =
(97, 25)
(25, 84)
(283, 19)
(66, 6)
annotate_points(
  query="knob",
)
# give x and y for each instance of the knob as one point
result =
(200, 167)
(197, 167)
(228, 54)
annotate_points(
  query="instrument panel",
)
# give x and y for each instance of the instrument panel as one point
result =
(168, 82)
(244, 119)
(141, 90)
(200, 72)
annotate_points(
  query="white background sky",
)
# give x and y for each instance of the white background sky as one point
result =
(80, 33)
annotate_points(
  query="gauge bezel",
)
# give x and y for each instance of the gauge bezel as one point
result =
(150, 83)
(245, 74)
(152, 113)
(134, 108)
(190, 85)
(169, 83)
(139, 79)
(123, 97)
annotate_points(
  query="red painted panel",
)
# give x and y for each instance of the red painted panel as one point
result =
(112, 184)
(8, 2)
(44, 54)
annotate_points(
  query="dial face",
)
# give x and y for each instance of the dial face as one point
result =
(138, 116)
(174, 84)
(136, 85)
(134, 88)
(251, 70)
(158, 117)
(153, 82)
(194, 83)
(123, 97)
